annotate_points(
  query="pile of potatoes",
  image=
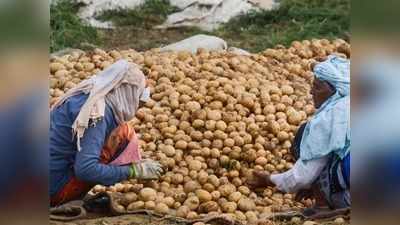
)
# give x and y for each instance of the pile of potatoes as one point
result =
(214, 118)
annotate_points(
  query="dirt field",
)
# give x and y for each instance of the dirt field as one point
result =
(141, 39)
(121, 220)
(139, 219)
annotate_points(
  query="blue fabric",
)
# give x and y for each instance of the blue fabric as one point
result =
(329, 129)
(66, 160)
(346, 169)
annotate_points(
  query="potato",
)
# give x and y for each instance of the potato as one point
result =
(181, 144)
(215, 195)
(147, 194)
(99, 188)
(261, 161)
(192, 106)
(168, 150)
(244, 190)
(221, 125)
(208, 187)
(208, 206)
(214, 115)
(128, 198)
(235, 196)
(88, 67)
(119, 187)
(182, 211)
(339, 221)
(309, 222)
(161, 208)
(251, 217)
(135, 206)
(169, 201)
(294, 118)
(149, 205)
(282, 136)
(177, 178)
(226, 189)
(229, 207)
(287, 90)
(213, 180)
(240, 216)
(229, 142)
(246, 204)
(55, 66)
(192, 215)
(192, 202)
(203, 195)
(195, 165)
(202, 177)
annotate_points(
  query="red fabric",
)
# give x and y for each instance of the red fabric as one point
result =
(122, 136)
(74, 189)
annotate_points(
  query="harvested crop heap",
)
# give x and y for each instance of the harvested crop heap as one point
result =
(214, 117)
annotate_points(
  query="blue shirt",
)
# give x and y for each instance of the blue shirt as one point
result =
(65, 159)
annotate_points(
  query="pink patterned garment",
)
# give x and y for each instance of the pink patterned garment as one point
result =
(130, 154)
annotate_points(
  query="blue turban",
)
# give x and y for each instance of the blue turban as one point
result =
(328, 131)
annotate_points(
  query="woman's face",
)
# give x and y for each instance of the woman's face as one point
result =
(321, 91)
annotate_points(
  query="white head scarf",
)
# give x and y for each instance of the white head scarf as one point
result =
(120, 86)
(329, 129)
(336, 71)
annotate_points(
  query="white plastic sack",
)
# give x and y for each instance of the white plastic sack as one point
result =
(209, 14)
(94, 8)
(238, 51)
(264, 4)
(181, 4)
(198, 41)
(205, 14)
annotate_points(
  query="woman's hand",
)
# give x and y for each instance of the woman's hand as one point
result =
(146, 169)
(260, 179)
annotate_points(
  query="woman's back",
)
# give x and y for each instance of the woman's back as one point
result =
(62, 143)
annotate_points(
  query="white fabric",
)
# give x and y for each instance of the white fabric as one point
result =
(181, 3)
(301, 176)
(191, 44)
(120, 85)
(329, 129)
(238, 51)
(145, 97)
(206, 14)
(90, 9)
(210, 14)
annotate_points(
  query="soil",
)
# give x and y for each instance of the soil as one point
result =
(142, 39)
(142, 219)
(132, 219)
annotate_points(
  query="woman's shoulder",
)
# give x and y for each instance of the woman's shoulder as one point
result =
(70, 108)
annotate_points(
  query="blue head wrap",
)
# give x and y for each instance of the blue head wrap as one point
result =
(329, 129)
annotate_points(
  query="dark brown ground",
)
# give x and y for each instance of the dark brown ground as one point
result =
(142, 39)
(139, 219)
